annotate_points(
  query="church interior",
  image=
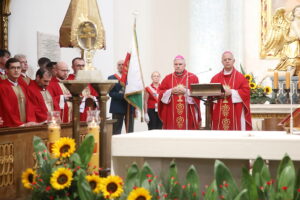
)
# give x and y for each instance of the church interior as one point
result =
(262, 39)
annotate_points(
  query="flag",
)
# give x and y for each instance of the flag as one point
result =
(132, 75)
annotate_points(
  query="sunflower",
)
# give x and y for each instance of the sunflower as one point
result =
(95, 182)
(267, 90)
(112, 187)
(248, 77)
(63, 147)
(61, 178)
(28, 177)
(252, 85)
(139, 194)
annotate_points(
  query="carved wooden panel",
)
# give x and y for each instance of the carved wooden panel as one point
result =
(6, 164)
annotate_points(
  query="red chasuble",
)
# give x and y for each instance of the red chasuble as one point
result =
(55, 91)
(90, 90)
(37, 100)
(227, 115)
(178, 114)
(9, 109)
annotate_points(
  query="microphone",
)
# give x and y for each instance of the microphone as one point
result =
(209, 69)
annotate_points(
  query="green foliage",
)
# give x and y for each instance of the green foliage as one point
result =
(256, 183)
(192, 185)
(78, 165)
(85, 151)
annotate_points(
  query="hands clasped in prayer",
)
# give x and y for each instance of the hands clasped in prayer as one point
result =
(179, 90)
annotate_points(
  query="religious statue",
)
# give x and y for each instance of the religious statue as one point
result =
(283, 39)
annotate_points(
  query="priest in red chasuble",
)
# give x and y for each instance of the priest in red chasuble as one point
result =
(176, 108)
(39, 96)
(233, 111)
(15, 109)
(89, 94)
(60, 93)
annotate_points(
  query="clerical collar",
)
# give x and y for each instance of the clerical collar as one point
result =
(2, 71)
(227, 72)
(14, 83)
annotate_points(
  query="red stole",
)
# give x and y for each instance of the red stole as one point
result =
(227, 115)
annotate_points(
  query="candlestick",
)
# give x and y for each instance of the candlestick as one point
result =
(287, 80)
(275, 79)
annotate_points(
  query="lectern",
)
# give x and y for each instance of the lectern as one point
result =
(208, 93)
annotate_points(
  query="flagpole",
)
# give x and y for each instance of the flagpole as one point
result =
(135, 14)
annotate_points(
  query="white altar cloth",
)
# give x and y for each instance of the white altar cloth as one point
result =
(207, 144)
(201, 148)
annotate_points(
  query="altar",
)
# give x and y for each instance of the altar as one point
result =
(266, 117)
(202, 148)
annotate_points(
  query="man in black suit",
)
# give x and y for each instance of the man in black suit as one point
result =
(119, 106)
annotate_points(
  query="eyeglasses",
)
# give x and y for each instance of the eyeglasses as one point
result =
(80, 65)
(64, 70)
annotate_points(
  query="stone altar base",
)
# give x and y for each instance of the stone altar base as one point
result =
(202, 148)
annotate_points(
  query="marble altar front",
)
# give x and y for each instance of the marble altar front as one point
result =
(201, 148)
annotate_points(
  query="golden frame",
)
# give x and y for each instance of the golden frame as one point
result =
(4, 13)
(268, 8)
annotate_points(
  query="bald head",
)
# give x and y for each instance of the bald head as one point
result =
(228, 60)
(62, 70)
(120, 66)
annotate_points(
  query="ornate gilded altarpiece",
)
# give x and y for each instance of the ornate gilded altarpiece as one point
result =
(268, 8)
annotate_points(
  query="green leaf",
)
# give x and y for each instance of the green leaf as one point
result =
(132, 178)
(287, 181)
(84, 188)
(248, 183)
(286, 161)
(145, 172)
(223, 175)
(258, 165)
(297, 186)
(172, 186)
(211, 192)
(41, 151)
(242, 69)
(192, 184)
(76, 159)
(241, 195)
(85, 151)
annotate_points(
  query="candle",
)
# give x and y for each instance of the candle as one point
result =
(287, 80)
(94, 129)
(298, 80)
(275, 79)
(53, 135)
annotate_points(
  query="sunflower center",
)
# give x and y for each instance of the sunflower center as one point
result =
(112, 187)
(141, 198)
(64, 148)
(30, 178)
(93, 184)
(62, 179)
